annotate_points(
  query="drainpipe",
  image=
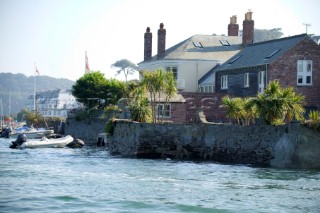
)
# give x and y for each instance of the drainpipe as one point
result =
(266, 73)
(197, 74)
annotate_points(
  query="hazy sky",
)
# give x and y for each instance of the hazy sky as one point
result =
(54, 34)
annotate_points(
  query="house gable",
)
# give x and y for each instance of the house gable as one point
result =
(278, 60)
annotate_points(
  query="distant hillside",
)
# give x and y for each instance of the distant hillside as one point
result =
(22, 86)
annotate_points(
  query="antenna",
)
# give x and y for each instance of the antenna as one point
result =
(307, 25)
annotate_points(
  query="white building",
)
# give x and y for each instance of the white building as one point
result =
(192, 58)
(53, 103)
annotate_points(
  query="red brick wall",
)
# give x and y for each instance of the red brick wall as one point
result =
(178, 112)
(285, 70)
(209, 102)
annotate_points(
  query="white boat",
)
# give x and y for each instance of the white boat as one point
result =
(47, 143)
(31, 132)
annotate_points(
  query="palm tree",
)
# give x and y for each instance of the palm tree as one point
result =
(139, 105)
(293, 105)
(250, 110)
(170, 88)
(234, 107)
(277, 106)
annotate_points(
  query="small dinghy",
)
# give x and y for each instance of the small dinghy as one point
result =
(44, 142)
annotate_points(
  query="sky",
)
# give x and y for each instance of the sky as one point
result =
(53, 35)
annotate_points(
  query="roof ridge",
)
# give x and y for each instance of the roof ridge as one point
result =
(278, 39)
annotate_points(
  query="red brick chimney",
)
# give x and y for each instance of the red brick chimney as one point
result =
(147, 44)
(248, 29)
(161, 41)
(233, 27)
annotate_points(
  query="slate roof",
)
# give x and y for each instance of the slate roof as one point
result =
(261, 53)
(203, 47)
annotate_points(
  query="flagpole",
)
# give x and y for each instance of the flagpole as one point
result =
(34, 88)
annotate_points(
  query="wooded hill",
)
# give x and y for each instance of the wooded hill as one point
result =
(20, 86)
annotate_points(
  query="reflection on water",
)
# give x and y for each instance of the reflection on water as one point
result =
(90, 180)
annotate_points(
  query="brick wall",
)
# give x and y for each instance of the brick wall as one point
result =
(285, 70)
(209, 102)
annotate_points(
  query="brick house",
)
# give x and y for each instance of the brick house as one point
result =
(293, 61)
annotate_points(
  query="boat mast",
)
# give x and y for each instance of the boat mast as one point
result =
(1, 116)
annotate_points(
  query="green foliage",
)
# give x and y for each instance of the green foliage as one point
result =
(275, 106)
(155, 83)
(125, 66)
(109, 128)
(314, 119)
(139, 106)
(241, 109)
(95, 91)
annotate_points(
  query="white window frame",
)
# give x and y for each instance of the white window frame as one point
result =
(162, 112)
(261, 81)
(304, 72)
(246, 80)
(224, 82)
(206, 89)
(174, 70)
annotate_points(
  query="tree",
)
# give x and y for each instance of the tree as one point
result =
(277, 106)
(95, 91)
(266, 35)
(157, 82)
(234, 107)
(139, 105)
(125, 66)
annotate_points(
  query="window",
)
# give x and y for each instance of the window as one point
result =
(206, 89)
(224, 43)
(164, 111)
(224, 82)
(261, 80)
(174, 70)
(197, 44)
(246, 80)
(304, 72)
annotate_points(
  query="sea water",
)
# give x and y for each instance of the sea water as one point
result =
(90, 180)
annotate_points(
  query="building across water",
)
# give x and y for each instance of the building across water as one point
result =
(53, 103)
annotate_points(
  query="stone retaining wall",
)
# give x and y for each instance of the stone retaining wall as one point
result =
(288, 146)
(87, 130)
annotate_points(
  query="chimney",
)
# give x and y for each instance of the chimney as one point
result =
(233, 27)
(161, 41)
(248, 29)
(147, 44)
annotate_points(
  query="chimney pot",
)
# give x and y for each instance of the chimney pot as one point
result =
(147, 44)
(161, 41)
(248, 29)
(233, 27)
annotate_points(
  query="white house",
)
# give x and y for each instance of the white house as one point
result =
(53, 103)
(192, 58)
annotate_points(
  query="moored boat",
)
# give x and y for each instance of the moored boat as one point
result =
(31, 132)
(44, 142)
